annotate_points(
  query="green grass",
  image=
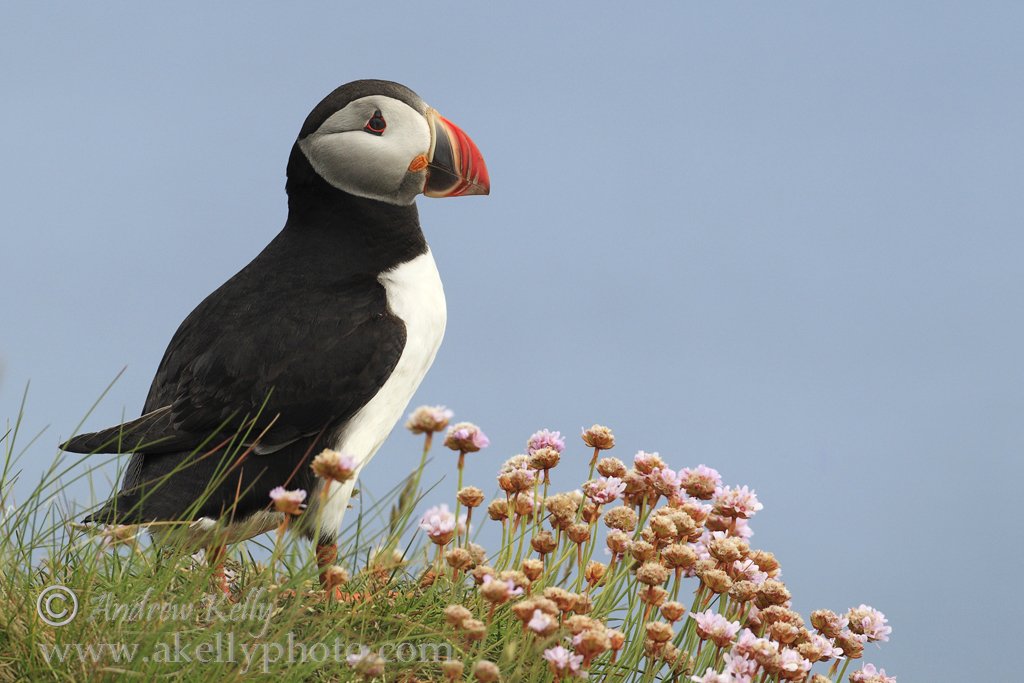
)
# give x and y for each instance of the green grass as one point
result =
(153, 612)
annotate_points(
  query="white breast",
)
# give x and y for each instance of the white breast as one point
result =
(415, 295)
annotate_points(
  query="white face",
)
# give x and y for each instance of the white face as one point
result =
(354, 152)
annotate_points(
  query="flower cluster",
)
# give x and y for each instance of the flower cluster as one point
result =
(594, 576)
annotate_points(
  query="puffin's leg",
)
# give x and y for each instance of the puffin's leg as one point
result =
(326, 555)
(215, 555)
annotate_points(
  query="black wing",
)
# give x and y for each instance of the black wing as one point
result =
(303, 351)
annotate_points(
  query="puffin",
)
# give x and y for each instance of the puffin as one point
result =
(319, 342)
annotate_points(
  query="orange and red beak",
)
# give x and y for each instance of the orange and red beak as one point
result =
(455, 166)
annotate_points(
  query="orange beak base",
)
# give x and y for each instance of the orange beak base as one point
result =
(456, 168)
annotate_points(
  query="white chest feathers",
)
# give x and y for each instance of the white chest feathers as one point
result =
(415, 295)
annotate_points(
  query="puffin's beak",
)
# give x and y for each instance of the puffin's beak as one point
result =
(455, 167)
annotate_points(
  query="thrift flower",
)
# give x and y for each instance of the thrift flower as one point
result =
(713, 626)
(563, 661)
(869, 674)
(428, 419)
(439, 523)
(366, 663)
(700, 482)
(599, 437)
(334, 466)
(542, 623)
(736, 502)
(867, 621)
(288, 502)
(604, 490)
(545, 439)
(466, 437)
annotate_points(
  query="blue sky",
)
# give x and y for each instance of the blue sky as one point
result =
(783, 241)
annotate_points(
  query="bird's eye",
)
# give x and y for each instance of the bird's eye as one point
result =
(376, 124)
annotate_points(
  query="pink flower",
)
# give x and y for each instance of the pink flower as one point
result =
(792, 662)
(736, 502)
(825, 645)
(545, 439)
(645, 462)
(713, 626)
(665, 481)
(710, 676)
(739, 667)
(746, 569)
(869, 674)
(439, 523)
(428, 419)
(466, 437)
(334, 466)
(562, 660)
(868, 621)
(699, 482)
(513, 589)
(288, 502)
(604, 489)
(541, 623)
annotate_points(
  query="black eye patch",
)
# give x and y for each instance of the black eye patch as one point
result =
(376, 124)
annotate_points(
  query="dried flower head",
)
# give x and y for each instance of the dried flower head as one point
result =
(679, 556)
(497, 510)
(599, 437)
(622, 518)
(611, 467)
(617, 542)
(646, 463)
(456, 615)
(653, 595)
(772, 592)
(578, 533)
(850, 643)
(471, 496)
(533, 568)
(544, 458)
(594, 572)
(480, 571)
(453, 669)
(458, 558)
(659, 631)
(652, 574)
(743, 591)
(765, 561)
(288, 502)
(716, 580)
(565, 600)
(486, 672)
(466, 437)
(642, 551)
(543, 543)
(428, 419)
(474, 629)
(700, 482)
(335, 576)
(334, 466)
(828, 622)
(673, 611)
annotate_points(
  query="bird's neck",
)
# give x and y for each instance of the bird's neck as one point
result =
(371, 234)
